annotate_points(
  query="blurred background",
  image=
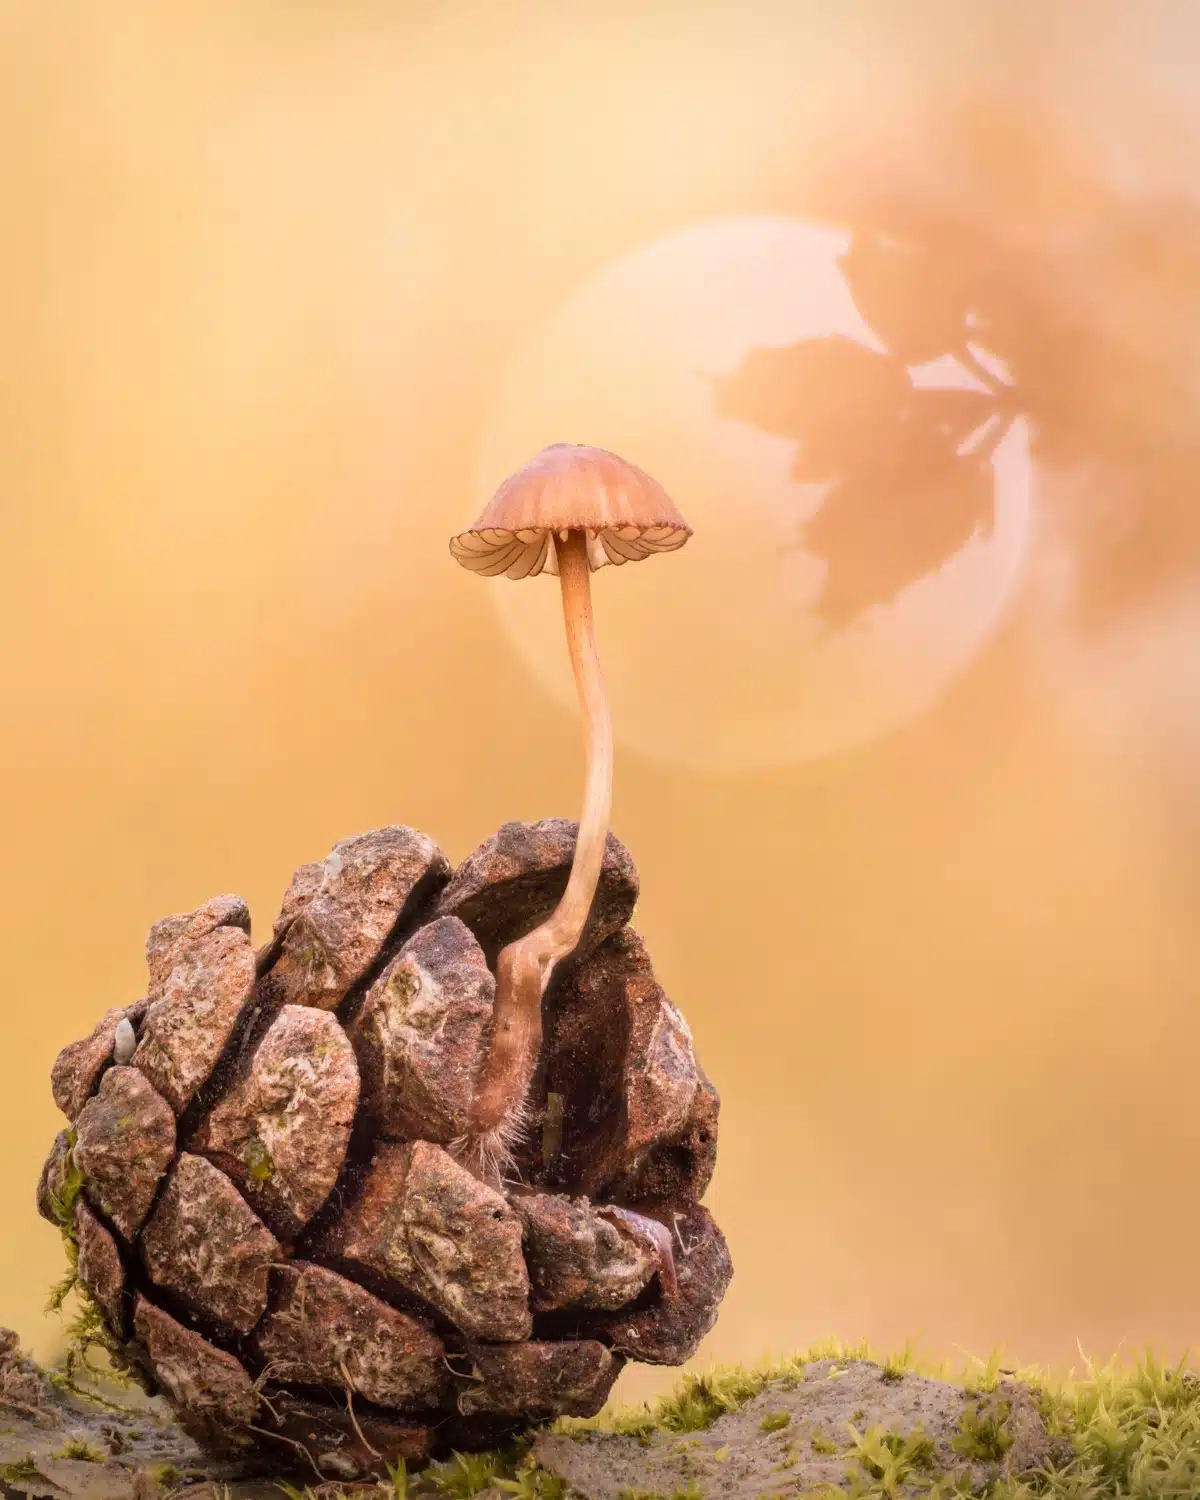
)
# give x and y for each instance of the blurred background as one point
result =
(902, 304)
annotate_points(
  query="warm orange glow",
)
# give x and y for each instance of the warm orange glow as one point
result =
(263, 267)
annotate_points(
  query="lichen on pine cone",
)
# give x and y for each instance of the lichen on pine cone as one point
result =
(267, 1202)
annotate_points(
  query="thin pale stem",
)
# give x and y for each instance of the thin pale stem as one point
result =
(524, 967)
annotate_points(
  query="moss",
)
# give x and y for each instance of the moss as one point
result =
(87, 1330)
(533, 1483)
(403, 984)
(23, 1472)
(398, 1479)
(775, 1421)
(466, 1474)
(314, 957)
(1129, 1434)
(294, 1492)
(695, 1406)
(891, 1459)
(80, 1448)
(70, 1185)
(896, 1366)
(987, 1379)
(62, 1198)
(259, 1166)
(691, 1492)
(983, 1435)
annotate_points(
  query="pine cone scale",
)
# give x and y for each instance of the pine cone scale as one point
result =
(282, 1129)
(266, 1185)
(205, 1245)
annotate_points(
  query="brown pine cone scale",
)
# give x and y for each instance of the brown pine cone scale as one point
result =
(265, 1184)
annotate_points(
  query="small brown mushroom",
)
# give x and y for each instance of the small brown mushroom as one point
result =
(570, 510)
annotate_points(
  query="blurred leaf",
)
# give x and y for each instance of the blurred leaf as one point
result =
(915, 301)
(902, 500)
(1013, 226)
(886, 526)
(828, 394)
(954, 413)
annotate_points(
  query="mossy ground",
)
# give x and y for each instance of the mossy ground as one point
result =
(1133, 1433)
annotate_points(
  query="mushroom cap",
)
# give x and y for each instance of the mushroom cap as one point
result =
(625, 514)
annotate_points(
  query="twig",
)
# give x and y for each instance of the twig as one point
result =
(965, 356)
(362, 1437)
(278, 1437)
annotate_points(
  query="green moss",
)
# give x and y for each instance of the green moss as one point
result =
(24, 1471)
(80, 1448)
(398, 1479)
(987, 1379)
(62, 1197)
(294, 1492)
(983, 1435)
(703, 1398)
(314, 957)
(691, 1492)
(259, 1165)
(775, 1421)
(896, 1366)
(70, 1185)
(889, 1459)
(465, 1474)
(403, 984)
(87, 1330)
(533, 1483)
(1129, 1436)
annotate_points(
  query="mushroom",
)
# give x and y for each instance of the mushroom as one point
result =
(570, 510)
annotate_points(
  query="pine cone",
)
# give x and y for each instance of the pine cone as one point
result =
(268, 1197)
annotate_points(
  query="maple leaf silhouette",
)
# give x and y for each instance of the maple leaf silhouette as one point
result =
(903, 498)
(865, 530)
(915, 300)
(1014, 234)
(828, 394)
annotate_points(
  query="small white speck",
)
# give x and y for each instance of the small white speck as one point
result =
(124, 1041)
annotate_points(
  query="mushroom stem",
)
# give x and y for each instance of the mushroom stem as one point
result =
(524, 967)
(565, 924)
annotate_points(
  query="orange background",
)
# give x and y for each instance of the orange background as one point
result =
(262, 266)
